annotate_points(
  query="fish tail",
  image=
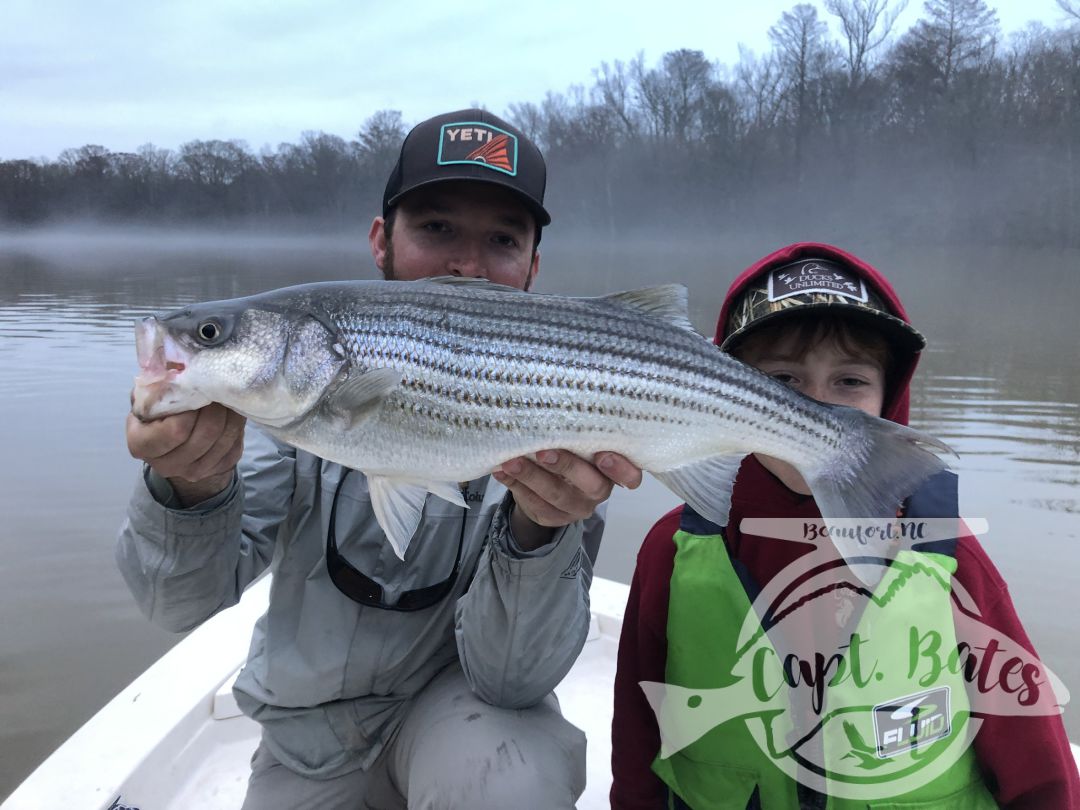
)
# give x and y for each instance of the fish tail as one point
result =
(882, 465)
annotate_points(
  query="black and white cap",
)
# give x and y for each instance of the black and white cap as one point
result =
(470, 145)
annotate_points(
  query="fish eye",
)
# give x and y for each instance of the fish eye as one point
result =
(208, 331)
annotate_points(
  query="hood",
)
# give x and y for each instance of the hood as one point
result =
(898, 394)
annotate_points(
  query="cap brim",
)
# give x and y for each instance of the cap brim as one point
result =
(898, 332)
(543, 218)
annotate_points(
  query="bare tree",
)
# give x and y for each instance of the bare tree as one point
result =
(90, 162)
(558, 115)
(651, 95)
(688, 76)
(23, 191)
(378, 147)
(381, 135)
(528, 117)
(214, 164)
(799, 41)
(866, 25)
(1070, 7)
(757, 83)
(330, 169)
(958, 34)
(89, 169)
(614, 92)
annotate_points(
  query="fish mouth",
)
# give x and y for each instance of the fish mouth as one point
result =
(160, 356)
(162, 360)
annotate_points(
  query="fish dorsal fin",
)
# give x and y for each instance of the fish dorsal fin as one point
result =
(705, 485)
(399, 504)
(666, 301)
(360, 391)
(466, 281)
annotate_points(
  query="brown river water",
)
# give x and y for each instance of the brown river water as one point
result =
(1001, 384)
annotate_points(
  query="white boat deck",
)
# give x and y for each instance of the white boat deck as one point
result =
(174, 739)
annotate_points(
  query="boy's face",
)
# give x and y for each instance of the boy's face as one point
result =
(825, 372)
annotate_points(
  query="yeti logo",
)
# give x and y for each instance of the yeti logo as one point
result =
(482, 144)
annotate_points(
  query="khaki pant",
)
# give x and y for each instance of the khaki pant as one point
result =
(452, 751)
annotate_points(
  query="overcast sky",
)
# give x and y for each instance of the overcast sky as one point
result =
(124, 73)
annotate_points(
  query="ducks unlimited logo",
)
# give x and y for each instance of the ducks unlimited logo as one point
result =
(858, 691)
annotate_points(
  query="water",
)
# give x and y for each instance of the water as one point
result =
(1002, 385)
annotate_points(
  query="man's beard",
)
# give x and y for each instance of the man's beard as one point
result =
(388, 260)
(388, 266)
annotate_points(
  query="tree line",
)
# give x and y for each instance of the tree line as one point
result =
(946, 130)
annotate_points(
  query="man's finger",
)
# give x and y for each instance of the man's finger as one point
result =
(225, 448)
(619, 469)
(554, 490)
(208, 441)
(536, 508)
(578, 472)
(150, 440)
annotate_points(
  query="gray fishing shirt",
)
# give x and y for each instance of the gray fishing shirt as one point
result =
(328, 678)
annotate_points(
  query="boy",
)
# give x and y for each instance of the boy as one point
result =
(830, 326)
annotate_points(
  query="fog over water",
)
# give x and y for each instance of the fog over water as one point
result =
(1000, 383)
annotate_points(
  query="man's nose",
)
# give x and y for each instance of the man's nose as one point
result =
(466, 262)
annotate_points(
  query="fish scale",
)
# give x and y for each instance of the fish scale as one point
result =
(423, 384)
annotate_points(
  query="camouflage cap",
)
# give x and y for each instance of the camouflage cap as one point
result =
(814, 284)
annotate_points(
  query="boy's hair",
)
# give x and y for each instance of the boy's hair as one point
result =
(814, 327)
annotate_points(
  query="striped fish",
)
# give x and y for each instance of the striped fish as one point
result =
(422, 384)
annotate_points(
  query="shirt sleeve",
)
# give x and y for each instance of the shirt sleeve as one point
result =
(524, 619)
(635, 736)
(1027, 761)
(184, 565)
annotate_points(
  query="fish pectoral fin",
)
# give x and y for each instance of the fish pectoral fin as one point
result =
(399, 505)
(448, 491)
(360, 391)
(666, 301)
(705, 485)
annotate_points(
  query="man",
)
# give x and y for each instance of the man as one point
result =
(381, 682)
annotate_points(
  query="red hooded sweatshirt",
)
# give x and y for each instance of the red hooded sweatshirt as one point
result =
(1026, 761)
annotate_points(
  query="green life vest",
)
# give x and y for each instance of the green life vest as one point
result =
(895, 727)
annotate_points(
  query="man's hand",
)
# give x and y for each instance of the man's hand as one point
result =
(196, 450)
(558, 489)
